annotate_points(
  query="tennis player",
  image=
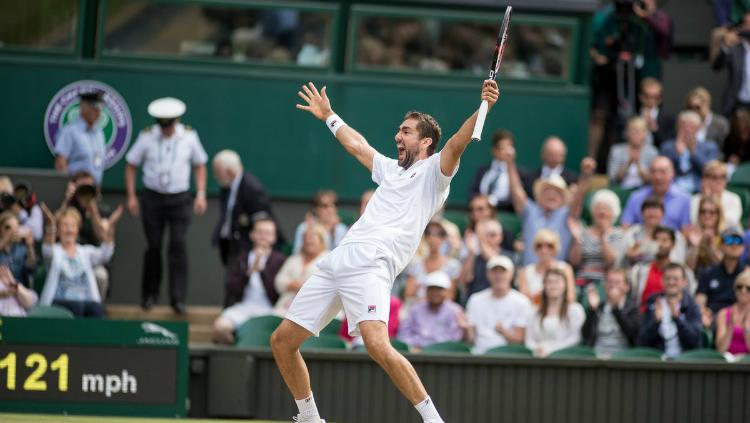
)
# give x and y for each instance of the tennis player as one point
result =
(359, 273)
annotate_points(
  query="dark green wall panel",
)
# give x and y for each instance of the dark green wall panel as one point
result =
(253, 112)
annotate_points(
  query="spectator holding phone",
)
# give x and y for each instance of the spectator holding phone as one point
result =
(16, 248)
(15, 299)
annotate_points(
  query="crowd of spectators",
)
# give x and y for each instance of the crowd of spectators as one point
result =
(651, 252)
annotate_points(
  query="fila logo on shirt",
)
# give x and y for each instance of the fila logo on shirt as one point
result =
(371, 309)
(413, 175)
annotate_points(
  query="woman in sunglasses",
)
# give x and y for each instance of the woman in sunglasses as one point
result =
(733, 322)
(704, 239)
(530, 278)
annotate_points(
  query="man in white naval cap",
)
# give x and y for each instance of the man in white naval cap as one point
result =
(167, 151)
(80, 144)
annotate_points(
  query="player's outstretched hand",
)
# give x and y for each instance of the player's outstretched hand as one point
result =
(490, 92)
(317, 102)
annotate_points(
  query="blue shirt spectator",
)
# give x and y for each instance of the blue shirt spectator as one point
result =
(434, 320)
(676, 203)
(80, 145)
(689, 154)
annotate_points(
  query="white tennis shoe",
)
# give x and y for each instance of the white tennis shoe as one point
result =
(298, 419)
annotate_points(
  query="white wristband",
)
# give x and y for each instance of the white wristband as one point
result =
(334, 123)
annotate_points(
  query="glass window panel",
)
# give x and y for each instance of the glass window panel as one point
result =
(446, 46)
(39, 24)
(279, 36)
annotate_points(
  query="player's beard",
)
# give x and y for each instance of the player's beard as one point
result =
(410, 157)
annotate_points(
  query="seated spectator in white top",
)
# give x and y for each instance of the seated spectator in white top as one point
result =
(530, 277)
(629, 162)
(714, 127)
(70, 266)
(714, 184)
(641, 245)
(325, 213)
(498, 315)
(557, 322)
(419, 269)
(299, 267)
(15, 299)
(434, 319)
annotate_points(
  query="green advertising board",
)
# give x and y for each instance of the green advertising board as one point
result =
(91, 366)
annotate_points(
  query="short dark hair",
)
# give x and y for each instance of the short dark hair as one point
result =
(652, 202)
(676, 266)
(502, 134)
(427, 127)
(81, 174)
(320, 195)
(436, 225)
(666, 230)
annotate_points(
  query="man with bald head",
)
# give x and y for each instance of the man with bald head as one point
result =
(676, 203)
(554, 152)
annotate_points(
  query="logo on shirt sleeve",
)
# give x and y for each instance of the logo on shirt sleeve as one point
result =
(371, 309)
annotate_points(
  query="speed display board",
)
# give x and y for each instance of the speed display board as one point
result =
(93, 366)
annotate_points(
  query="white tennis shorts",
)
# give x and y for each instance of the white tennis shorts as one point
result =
(355, 276)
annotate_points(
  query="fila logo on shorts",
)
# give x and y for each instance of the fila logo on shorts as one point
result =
(371, 308)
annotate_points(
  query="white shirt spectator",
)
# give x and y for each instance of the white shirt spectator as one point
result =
(731, 207)
(485, 311)
(554, 334)
(167, 162)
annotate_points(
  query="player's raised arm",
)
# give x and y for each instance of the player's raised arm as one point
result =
(456, 145)
(319, 106)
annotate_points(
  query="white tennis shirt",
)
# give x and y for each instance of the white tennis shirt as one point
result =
(403, 204)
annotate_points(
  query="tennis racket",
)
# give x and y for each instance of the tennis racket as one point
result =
(497, 58)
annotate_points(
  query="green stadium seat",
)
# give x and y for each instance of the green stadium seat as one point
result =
(257, 338)
(638, 353)
(744, 195)
(703, 354)
(707, 339)
(450, 346)
(50, 312)
(515, 350)
(39, 278)
(741, 176)
(511, 222)
(579, 351)
(458, 218)
(324, 342)
(745, 359)
(399, 345)
(256, 331)
(348, 216)
(332, 328)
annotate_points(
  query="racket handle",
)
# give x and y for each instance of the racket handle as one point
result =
(481, 116)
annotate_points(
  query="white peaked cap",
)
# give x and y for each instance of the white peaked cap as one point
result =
(166, 108)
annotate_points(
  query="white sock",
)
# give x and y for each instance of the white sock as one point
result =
(307, 407)
(428, 411)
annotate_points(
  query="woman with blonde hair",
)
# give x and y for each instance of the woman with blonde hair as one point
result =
(733, 322)
(299, 267)
(704, 238)
(714, 184)
(530, 278)
(557, 322)
(70, 266)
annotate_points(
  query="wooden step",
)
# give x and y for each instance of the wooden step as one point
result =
(201, 334)
(199, 315)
